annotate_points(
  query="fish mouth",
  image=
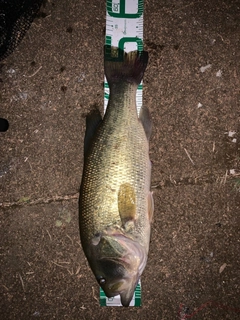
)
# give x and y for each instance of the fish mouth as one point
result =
(127, 294)
(124, 287)
(126, 269)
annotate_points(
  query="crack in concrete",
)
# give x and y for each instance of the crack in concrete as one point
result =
(167, 183)
(186, 181)
(27, 201)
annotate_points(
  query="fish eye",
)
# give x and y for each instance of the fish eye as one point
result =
(101, 280)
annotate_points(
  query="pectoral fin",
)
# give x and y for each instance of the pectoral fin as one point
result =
(150, 206)
(126, 203)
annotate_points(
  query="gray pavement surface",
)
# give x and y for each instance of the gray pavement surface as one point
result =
(192, 88)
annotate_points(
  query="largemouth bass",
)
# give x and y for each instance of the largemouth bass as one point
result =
(116, 204)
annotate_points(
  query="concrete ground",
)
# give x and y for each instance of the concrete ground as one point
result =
(192, 88)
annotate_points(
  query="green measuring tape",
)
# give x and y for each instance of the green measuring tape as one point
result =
(116, 301)
(124, 29)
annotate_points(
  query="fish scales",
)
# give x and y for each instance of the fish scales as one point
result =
(115, 204)
(119, 155)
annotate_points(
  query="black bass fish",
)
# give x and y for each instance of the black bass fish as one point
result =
(116, 204)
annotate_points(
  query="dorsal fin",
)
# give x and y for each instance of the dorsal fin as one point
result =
(146, 121)
(93, 121)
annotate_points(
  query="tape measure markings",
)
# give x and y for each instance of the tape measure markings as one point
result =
(124, 29)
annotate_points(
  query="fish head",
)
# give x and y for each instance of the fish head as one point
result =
(118, 266)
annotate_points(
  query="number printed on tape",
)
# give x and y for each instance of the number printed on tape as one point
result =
(124, 29)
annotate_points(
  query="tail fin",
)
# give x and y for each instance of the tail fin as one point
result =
(127, 67)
